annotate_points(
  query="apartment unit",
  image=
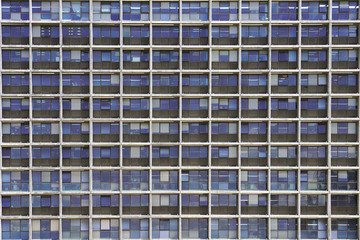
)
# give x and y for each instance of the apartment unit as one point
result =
(181, 119)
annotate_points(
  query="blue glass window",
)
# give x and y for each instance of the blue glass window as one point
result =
(136, 228)
(136, 32)
(15, 229)
(135, 128)
(45, 180)
(165, 56)
(75, 56)
(165, 32)
(344, 31)
(16, 55)
(165, 11)
(283, 128)
(314, 31)
(281, 152)
(165, 180)
(106, 11)
(313, 128)
(314, 10)
(106, 80)
(165, 104)
(195, 56)
(195, 32)
(253, 32)
(254, 11)
(253, 80)
(76, 152)
(313, 80)
(134, 104)
(106, 180)
(105, 200)
(135, 200)
(194, 152)
(75, 80)
(15, 181)
(194, 180)
(283, 80)
(313, 55)
(313, 180)
(194, 228)
(344, 79)
(343, 128)
(136, 11)
(253, 128)
(253, 104)
(343, 104)
(15, 80)
(224, 104)
(284, 31)
(46, 104)
(344, 180)
(15, 201)
(106, 104)
(283, 56)
(106, 228)
(45, 11)
(195, 11)
(165, 80)
(344, 229)
(106, 128)
(106, 32)
(225, 11)
(46, 56)
(253, 180)
(15, 31)
(254, 56)
(253, 152)
(75, 128)
(106, 56)
(135, 180)
(15, 104)
(344, 55)
(75, 11)
(253, 228)
(15, 10)
(76, 31)
(15, 153)
(284, 11)
(226, 31)
(45, 153)
(165, 152)
(15, 128)
(313, 229)
(195, 80)
(39, 201)
(75, 228)
(345, 10)
(194, 104)
(224, 56)
(224, 228)
(165, 228)
(224, 180)
(313, 103)
(136, 56)
(283, 180)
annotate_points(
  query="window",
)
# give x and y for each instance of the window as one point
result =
(223, 180)
(283, 56)
(344, 229)
(165, 180)
(284, 80)
(17, 80)
(313, 229)
(195, 200)
(75, 180)
(106, 80)
(226, 32)
(136, 11)
(345, 10)
(104, 201)
(106, 56)
(135, 32)
(17, 55)
(283, 180)
(77, 31)
(106, 180)
(15, 229)
(135, 180)
(136, 80)
(165, 200)
(106, 104)
(254, 56)
(283, 228)
(344, 180)
(165, 11)
(253, 104)
(77, 153)
(165, 128)
(136, 128)
(45, 153)
(224, 200)
(253, 200)
(225, 56)
(313, 128)
(75, 80)
(45, 80)
(224, 104)
(165, 104)
(46, 56)
(224, 128)
(45, 180)
(106, 11)
(194, 180)
(313, 152)
(75, 228)
(15, 104)
(253, 152)
(194, 228)
(15, 181)
(19, 201)
(165, 80)
(165, 152)
(194, 152)
(343, 152)
(106, 32)
(45, 229)
(254, 32)
(283, 128)
(283, 200)
(16, 128)
(284, 11)
(12, 153)
(313, 180)
(136, 56)
(195, 80)
(344, 55)
(195, 32)
(136, 152)
(343, 79)
(165, 56)
(254, 11)
(344, 31)
(106, 152)
(135, 228)
(284, 32)
(195, 56)
(45, 11)
(313, 55)
(15, 10)
(195, 11)
(313, 31)
(253, 180)
(75, 128)
(195, 104)
(165, 228)
(252, 80)
(224, 228)
(314, 10)
(135, 200)
(313, 200)
(225, 11)
(40, 201)
(253, 228)
(313, 103)
(253, 128)
(313, 80)
(343, 128)
(134, 104)
(75, 201)
(45, 104)
(75, 11)
(343, 104)
(15, 32)
(106, 228)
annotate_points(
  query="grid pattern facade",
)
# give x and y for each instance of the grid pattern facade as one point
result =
(179, 119)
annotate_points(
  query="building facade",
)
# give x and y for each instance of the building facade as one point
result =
(181, 119)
